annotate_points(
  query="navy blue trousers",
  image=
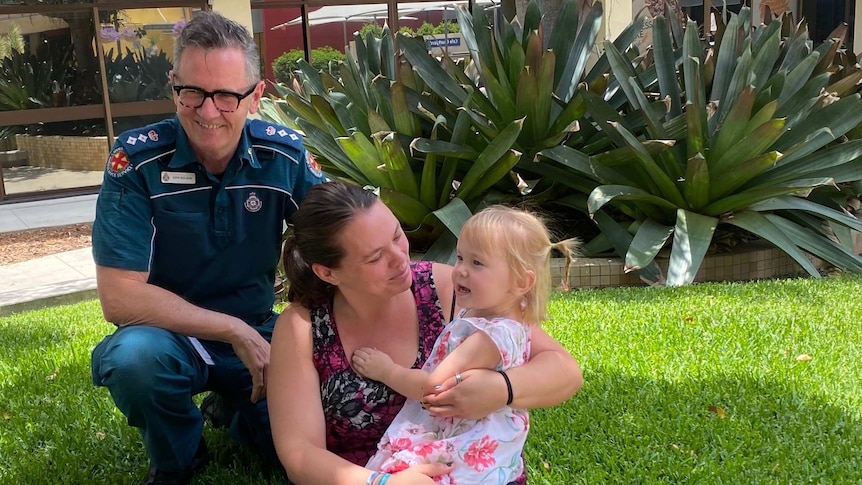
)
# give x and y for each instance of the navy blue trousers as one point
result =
(152, 375)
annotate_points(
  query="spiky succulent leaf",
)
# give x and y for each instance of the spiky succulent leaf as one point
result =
(648, 241)
(692, 236)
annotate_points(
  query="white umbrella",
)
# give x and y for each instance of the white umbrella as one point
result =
(371, 13)
(366, 13)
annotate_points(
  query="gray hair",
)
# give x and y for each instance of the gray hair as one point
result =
(211, 30)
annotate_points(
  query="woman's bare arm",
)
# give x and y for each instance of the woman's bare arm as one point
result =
(297, 419)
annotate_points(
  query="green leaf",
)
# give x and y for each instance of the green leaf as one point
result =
(532, 19)
(428, 183)
(733, 128)
(430, 71)
(311, 78)
(301, 108)
(797, 77)
(495, 173)
(818, 245)
(692, 236)
(627, 37)
(407, 209)
(397, 165)
(766, 53)
(621, 241)
(744, 172)
(445, 148)
(695, 188)
(443, 249)
(839, 117)
(330, 151)
(796, 203)
(728, 53)
(648, 241)
(603, 194)
(666, 63)
(751, 145)
(573, 67)
(567, 119)
(665, 185)
(819, 163)
(488, 158)
(453, 215)
(377, 123)
(760, 225)
(620, 165)
(622, 69)
(361, 151)
(405, 121)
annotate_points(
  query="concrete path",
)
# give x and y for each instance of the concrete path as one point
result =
(51, 280)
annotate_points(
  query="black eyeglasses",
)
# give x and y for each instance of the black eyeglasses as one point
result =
(224, 101)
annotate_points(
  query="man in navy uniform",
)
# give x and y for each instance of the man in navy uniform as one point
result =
(186, 241)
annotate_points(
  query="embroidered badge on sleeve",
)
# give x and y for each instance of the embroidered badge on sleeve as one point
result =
(312, 164)
(118, 163)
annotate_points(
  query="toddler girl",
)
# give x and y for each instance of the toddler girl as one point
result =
(502, 282)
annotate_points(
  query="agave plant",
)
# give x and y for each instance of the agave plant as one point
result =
(741, 136)
(436, 138)
(366, 125)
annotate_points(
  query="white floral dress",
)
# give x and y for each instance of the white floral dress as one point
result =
(484, 451)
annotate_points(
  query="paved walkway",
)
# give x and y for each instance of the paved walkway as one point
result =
(58, 279)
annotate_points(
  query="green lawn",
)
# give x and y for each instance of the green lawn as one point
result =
(714, 383)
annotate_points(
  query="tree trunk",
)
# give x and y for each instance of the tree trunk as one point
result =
(86, 88)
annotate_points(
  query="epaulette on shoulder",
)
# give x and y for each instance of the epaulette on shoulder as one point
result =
(161, 134)
(260, 130)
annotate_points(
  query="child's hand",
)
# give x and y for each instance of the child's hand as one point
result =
(372, 363)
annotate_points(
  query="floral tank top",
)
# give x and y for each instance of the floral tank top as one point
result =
(358, 410)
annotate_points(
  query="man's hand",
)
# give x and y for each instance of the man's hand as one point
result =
(372, 363)
(253, 351)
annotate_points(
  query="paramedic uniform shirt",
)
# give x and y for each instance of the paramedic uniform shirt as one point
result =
(214, 241)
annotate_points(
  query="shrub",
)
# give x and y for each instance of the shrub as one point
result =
(373, 27)
(320, 59)
(427, 28)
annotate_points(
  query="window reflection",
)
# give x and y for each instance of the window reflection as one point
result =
(53, 131)
(53, 161)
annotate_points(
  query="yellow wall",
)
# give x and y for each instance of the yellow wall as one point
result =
(239, 11)
(158, 23)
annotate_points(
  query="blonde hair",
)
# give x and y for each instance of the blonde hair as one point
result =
(523, 239)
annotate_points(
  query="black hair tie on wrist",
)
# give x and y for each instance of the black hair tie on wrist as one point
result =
(508, 387)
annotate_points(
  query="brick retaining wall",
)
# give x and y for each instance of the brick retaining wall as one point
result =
(67, 152)
(757, 261)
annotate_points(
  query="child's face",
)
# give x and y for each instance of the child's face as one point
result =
(483, 282)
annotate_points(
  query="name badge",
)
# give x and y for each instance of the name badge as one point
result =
(184, 178)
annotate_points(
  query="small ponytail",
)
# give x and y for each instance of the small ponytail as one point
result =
(570, 248)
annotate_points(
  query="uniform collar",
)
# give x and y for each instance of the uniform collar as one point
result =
(244, 151)
(184, 155)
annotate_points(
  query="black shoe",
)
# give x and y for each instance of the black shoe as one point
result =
(217, 411)
(182, 477)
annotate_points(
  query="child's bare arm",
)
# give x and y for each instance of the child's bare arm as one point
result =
(377, 365)
(477, 351)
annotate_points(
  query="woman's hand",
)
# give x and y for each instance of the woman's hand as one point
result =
(480, 393)
(419, 474)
